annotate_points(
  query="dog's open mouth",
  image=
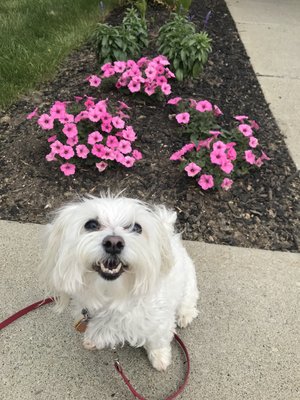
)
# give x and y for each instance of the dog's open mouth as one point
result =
(110, 269)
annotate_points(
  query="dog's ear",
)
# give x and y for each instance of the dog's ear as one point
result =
(56, 269)
(166, 221)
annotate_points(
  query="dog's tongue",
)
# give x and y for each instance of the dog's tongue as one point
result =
(112, 263)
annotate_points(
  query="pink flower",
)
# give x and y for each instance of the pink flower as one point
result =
(101, 166)
(134, 86)
(204, 106)
(166, 88)
(51, 156)
(192, 169)
(68, 169)
(264, 156)
(66, 118)
(215, 133)
(227, 166)
(128, 161)
(80, 116)
(160, 80)
(204, 143)
(106, 127)
(78, 98)
(94, 137)
(66, 152)
(52, 139)
(124, 146)
(150, 89)
(176, 156)
(137, 154)
(108, 70)
(226, 184)
(108, 154)
(119, 66)
(219, 145)
(218, 157)
(118, 122)
(89, 103)
(106, 118)
(46, 122)
(206, 182)
(254, 124)
(259, 162)
(56, 147)
(169, 73)
(123, 105)
(101, 106)
(231, 153)
(119, 157)
(175, 100)
(129, 134)
(71, 141)
(94, 115)
(183, 118)
(250, 157)
(32, 114)
(253, 142)
(94, 80)
(58, 110)
(82, 151)
(150, 72)
(98, 150)
(240, 117)
(217, 111)
(112, 142)
(193, 103)
(142, 62)
(70, 130)
(245, 129)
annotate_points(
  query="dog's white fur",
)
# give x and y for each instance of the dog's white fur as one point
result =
(142, 306)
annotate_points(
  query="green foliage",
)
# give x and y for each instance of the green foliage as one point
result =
(185, 49)
(180, 6)
(121, 42)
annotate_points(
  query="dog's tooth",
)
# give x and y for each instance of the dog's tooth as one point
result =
(118, 267)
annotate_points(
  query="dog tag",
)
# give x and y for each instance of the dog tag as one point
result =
(81, 325)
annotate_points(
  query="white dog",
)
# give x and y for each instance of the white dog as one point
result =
(120, 259)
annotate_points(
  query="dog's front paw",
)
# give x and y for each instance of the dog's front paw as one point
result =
(186, 316)
(89, 344)
(160, 358)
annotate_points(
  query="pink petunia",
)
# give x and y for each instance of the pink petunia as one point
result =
(52, 139)
(192, 169)
(137, 154)
(82, 151)
(106, 118)
(46, 122)
(112, 142)
(193, 103)
(70, 130)
(108, 154)
(169, 73)
(94, 137)
(219, 145)
(218, 157)
(227, 166)
(217, 111)
(71, 141)
(134, 86)
(89, 103)
(204, 106)
(82, 115)
(128, 161)
(124, 146)
(106, 127)
(150, 89)
(58, 110)
(68, 169)
(108, 70)
(101, 166)
(160, 80)
(226, 184)
(241, 118)
(51, 156)
(94, 115)
(33, 114)
(123, 105)
(259, 162)
(129, 134)
(183, 118)
(245, 129)
(206, 181)
(101, 106)
(78, 98)
(56, 147)
(254, 124)
(174, 101)
(204, 143)
(166, 88)
(94, 80)
(150, 72)
(231, 153)
(176, 156)
(118, 122)
(264, 156)
(250, 157)
(215, 133)
(67, 152)
(66, 118)
(119, 66)
(98, 150)
(253, 142)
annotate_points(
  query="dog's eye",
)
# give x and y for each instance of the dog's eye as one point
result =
(137, 228)
(92, 225)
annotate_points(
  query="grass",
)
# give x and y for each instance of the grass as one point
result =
(35, 37)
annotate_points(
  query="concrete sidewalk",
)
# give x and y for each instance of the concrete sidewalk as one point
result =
(270, 32)
(243, 345)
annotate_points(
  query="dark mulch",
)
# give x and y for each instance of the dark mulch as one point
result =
(260, 211)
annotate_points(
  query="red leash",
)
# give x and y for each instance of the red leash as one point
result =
(117, 365)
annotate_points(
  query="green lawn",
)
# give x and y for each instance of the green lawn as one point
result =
(36, 35)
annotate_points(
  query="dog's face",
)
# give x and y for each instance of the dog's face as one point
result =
(107, 240)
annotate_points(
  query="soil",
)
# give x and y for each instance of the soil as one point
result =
(261, 209)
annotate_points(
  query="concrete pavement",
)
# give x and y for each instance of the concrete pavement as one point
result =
(270, 31)
(243, 345)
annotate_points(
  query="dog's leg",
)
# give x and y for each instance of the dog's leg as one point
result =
(160, 358)
(187, 309)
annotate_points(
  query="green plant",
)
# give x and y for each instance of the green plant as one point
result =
(186, 50)
(180, 6)
(121, 42)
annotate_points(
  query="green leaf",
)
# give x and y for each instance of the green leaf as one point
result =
(197, 68)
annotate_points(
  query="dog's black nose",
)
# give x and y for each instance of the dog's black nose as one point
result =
(113, 244)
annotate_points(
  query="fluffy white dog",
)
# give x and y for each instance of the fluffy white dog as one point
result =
(120, 259)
